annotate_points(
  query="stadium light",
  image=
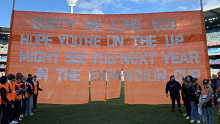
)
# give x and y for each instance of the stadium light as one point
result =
(72, 3)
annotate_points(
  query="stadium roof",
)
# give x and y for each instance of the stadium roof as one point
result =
(212, 17)
(4, 29)
(212, 13)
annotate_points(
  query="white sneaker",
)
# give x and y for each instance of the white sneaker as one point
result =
(21, 116)
(198, 122)
(187, 117)
(14, 122)
(184, 114)
(31, 114)
(192, 121)
(19, 119)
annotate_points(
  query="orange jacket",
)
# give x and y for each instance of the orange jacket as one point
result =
(35, 87)
(8, 95)
(12, 87)
(205, 93)
(20, 95)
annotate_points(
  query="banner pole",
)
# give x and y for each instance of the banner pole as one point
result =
(201, 5)
(204, 37)
(13, 8)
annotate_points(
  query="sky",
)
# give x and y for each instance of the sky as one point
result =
(102, 6)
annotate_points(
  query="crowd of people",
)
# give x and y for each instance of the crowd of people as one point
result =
(18, 97)
(198, 100)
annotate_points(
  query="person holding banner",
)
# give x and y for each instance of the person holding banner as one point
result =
(174, 88)
(194, 92)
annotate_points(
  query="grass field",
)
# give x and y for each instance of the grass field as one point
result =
(112, 111)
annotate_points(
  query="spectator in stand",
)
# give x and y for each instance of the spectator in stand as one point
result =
(30, 92)
(174, 88)
(5, 100)
(36, 89)
(185, 95)
(194, 92)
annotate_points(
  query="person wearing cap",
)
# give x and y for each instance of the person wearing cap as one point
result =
(36, 89)
(174, 88)
(207, 93)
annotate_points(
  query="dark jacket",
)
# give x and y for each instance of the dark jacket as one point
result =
(30, 90)
(185, 96)
(191, 91)
(4, 96)
(173, 87)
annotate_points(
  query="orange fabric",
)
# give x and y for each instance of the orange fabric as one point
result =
(8, 95)
(205, 91)
(113, 88)
(189, 24)
(12, 87)
(20, 95)
(35, 87)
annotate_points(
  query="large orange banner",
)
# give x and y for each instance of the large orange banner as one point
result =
(63, 49)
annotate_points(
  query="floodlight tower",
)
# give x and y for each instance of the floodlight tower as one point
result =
(72, 3)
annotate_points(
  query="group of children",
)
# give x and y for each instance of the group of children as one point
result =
(18, 97)
(198, 100)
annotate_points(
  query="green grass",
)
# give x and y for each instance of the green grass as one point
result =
(112, 111)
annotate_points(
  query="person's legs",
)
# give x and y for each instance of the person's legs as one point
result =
(178, 100)
(10, 113)
(15, 110)
(203, 115)
(5, 114)
(23, 107)
(206, 114)
(198, 115)
(19, 109)
(34, 101)
(27, 103)
(193, 111)
(188, 107)
(210, 115)
(172, 96)
(31, 102)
